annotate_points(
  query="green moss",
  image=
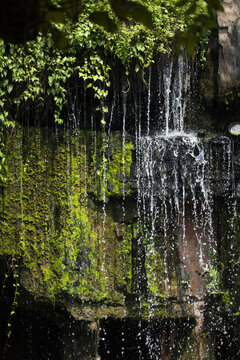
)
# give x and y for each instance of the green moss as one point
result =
(68, 240)
(112, 165)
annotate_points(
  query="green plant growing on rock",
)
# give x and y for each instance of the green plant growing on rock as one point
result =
(12, 277)
(61, 243)
(215, 286)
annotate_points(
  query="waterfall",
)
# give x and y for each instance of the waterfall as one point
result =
(174, 206)
(174, 190)
(126, 225)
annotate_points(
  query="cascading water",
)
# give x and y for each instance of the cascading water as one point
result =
(173, 177)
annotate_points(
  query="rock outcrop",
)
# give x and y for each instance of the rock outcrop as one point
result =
(229, 46)
(220, 81)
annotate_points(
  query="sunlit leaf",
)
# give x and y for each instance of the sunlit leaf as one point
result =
(137, 68)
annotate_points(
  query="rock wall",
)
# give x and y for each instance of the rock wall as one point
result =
(229, 46)
(70, 229)
(220, 81)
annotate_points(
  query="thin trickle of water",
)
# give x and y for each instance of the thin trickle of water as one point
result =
(149, 100)
(179, 94)
(85, 167)
(104, 169)
(124, 100)
(110, 120)
(138, 135)
(167, 76)
(174, 88)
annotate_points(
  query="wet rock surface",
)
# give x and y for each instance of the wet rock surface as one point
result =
(141, 250)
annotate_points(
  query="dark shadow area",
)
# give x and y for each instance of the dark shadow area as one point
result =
(132, 339)
(227, 343)
(33, 337)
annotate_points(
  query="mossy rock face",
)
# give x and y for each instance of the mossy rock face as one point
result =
(69, 216)
(65, 241)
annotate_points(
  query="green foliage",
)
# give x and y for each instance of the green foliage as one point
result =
(238, 312)
(33, 73)
(43, 15)
(214, 278)
(11, 273)
(109, 170)
(215, 286)
(36, 73)
(101, 18)
(203, 21)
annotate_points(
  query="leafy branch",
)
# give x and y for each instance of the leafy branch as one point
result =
(11, 273)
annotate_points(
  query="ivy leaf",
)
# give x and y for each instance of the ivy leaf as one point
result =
(9, 88)
(101, 18)
(137, 68)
